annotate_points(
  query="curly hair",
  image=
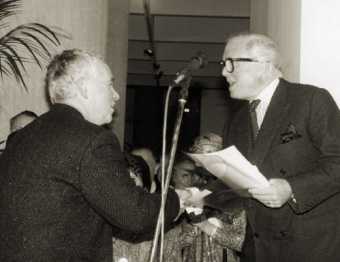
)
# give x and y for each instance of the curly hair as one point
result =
(66, 70)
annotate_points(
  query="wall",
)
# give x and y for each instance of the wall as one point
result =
(281, 20)
(306, 31)
(84, 20)
(320, 41)
(117, 57)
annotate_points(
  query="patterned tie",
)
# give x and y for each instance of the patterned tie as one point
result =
(253, 118)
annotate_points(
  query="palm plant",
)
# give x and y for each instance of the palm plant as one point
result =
(22, 44)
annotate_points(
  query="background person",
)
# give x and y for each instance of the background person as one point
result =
(21, 120)
(17, 122)
(150, 160)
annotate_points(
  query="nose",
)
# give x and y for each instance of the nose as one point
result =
(115, 95)
(225, 73)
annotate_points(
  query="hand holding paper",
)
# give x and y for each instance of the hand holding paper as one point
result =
(231, 167)
(275, 195)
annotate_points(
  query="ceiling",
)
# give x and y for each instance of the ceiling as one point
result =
(179, 31)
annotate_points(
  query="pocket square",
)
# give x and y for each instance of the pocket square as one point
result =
(289, 134)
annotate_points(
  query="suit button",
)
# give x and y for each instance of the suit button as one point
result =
(282, 171)
(256, 235)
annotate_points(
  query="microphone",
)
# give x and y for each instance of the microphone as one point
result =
(195, 63)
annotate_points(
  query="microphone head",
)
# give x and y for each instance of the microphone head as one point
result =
(196, 62)
(199, 61)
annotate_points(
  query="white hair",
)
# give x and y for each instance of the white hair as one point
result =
(260, 46)
(66, 70)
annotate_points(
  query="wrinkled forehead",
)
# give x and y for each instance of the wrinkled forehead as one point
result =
(101, 69)
(236, 47)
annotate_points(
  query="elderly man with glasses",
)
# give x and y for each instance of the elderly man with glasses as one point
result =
(291, 132)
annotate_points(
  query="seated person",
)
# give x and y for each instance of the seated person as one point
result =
(150, 160)
(207, 143)
(21, 120)
(136, 251)
(218, 234)
(17, 122)
(184, 174)
(139, 171)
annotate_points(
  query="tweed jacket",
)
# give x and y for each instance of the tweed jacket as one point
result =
(64, 190)
(299, 141)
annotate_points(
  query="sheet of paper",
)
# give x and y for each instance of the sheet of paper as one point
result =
(231, 167)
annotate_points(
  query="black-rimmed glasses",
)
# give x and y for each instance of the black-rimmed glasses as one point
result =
(228, 63)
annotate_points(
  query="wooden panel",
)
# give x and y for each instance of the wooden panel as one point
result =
(172, 67)
(195, 7)
(187, 28)
(176, 51)
(216, 82)
(197, 29)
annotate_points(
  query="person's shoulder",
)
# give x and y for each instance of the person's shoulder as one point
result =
(303, 88)
(300, 87)
(310, 96)
(303, 91)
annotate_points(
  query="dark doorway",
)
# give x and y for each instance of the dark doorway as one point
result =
(144, 117)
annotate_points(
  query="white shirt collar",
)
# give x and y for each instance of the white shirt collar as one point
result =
(265, 96)
(267, 93)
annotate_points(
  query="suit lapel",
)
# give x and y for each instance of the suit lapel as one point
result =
(275, 116)
(239, 133)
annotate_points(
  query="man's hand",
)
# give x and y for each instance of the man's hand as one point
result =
(275, 195)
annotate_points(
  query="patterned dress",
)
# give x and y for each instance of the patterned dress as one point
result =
(223, 244)
(174, 242)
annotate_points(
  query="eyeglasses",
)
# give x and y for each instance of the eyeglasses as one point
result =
(229, 62)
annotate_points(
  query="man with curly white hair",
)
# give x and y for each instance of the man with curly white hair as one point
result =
(64, 186)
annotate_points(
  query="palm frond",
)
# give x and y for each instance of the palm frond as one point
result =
(28, 46)
(41, 29)
(25, 43)
(15, 55)
(8, 8)
(12, 63)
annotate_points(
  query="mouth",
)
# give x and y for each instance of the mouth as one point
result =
(230, 80)
(231, 84)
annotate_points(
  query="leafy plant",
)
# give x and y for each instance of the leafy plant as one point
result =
(22, 44)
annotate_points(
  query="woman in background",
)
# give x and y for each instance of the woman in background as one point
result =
(131, 249)
(219, 234)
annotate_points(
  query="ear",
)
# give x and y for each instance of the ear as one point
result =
(270, 67)
(266, 71)
(82, 88)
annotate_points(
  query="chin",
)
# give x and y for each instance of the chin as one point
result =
(108, 121)
(234, 96)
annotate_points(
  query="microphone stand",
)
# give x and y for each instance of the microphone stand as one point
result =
(165, 186)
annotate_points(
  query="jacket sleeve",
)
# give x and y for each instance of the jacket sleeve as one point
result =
(314, 186)
(108, 188)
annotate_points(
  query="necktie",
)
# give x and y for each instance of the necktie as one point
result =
(253, 118)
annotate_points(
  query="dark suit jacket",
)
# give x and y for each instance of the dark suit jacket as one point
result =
(64, 188)
(299, 140)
